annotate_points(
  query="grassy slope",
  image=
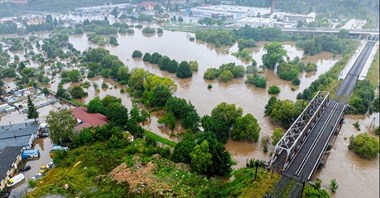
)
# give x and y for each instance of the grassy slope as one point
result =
(244, 185)
(373, 73)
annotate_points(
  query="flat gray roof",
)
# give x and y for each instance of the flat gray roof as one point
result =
(17, 134)
(8, 156)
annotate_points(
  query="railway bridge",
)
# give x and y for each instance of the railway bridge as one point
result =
(299, 152)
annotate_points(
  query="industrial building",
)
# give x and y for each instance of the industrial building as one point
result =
(236, 12)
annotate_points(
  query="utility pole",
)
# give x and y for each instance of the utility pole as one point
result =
(372, 122)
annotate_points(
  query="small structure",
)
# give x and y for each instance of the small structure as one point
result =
(86, 120)
(10, 158)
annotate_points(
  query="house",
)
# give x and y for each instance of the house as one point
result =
(148, 5)
(86, 120)
(10, 158)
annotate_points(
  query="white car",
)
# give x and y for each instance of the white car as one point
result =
(37, 176)
(50, 164)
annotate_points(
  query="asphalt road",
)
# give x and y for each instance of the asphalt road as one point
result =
(307, 159)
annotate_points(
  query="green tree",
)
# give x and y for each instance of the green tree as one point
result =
(275, 54)
(137, 54)
(123, 74)
(201, 158)
(159, 96)
(221, 159)
(184, 70)
(226, 76)
(95, 106)
(287, 71)
(194, 66)
(155, 58)
(172, 66)
(163, 65)
(61, 126)
(364, 145)
(77, 92)
(211, 74)
(274, 89)
(246, 128)
(276, 136)
(117, 114)
(32, 110)
(74, 75)
(227, 112)
(183, 149)
(147, 57)
(113, 41)
(168, 119)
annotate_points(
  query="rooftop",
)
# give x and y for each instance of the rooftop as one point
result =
(17, 134)
(8, 156)
(88, 119)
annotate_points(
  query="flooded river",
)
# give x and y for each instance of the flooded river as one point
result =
(355, 176)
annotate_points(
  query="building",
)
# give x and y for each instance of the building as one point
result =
(10, 158)
(87, 120)
(13, 139)
(294, 18)
(236, 12)
(19, 2)
(148, 5)
(21, 134)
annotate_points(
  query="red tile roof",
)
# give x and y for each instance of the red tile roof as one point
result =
(88, 119)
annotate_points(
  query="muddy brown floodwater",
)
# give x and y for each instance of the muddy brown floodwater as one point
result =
(354, 175)
(176, 45)
(357, 177)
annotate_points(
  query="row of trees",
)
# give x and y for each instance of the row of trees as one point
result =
(246, 35)
(325, 43)
(183, 69)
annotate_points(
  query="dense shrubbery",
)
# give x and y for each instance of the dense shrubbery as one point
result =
(274, 89)
(100, 61)
(257, 80)
(362, 97)
(217, 37)
(364, 145)
(325, 43)
(287, 71)
(225, 72)
(283, 112)
(246, 43)
(148, 30)
(247, 34)
(243, 54)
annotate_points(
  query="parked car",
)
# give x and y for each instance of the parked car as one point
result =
(26, 168)
(15, 180)
(37, 176)
(50, 164)
(43, 169)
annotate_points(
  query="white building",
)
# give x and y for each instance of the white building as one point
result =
(294, 18)
(237, 12)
